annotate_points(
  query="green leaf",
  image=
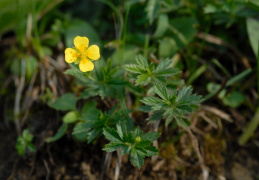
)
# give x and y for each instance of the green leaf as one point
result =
(143, 80)
(26, 135)
(146, 108)
(20, 146)
(136, 159)
(133, 68)
(165, 68)
(150, 136)
(234, 99)
(31, 66)
(157, 115)
(24, 142)
(143, 143)
(155, 102)
(252, 30)
(152, 10)
(91, 135)
(142, 62)
(185, 98)
(61, 132)
(81, 130)
(90, 112)
(65, 103)
(167, 47)
(151, 151)
(31, 147)
(161, 90)
(89, 92)
(112, 135)
(125, 150)
(183, 30)
(119, 130)
(183, 122)
(165, 64)
(162, 26)
(113, 146)
(74, 71)
(78, 27)
(71, 117)
(134, 143)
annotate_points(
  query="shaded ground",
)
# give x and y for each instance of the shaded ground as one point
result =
(68, 159)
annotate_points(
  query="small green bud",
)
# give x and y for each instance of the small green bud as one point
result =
(138, 139)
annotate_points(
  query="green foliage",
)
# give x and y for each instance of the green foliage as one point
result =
(172, 105)
(66, 102)
(234, 99)
(132, 142)
(71, 117)
(149, 73)
(76, 27)
(93, 121)
(152, 10)
(103, 80)
(24, 142)
(61, 132)
(170, 34)
(252, 30)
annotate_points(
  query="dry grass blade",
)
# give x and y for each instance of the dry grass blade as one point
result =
(195, 143)
(208, 120)
(118, 166)
(217, 112)
(18, 94)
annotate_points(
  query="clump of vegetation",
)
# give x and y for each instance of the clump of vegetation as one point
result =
(132, 77)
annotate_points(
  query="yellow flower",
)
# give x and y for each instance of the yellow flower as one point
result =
(82, 54)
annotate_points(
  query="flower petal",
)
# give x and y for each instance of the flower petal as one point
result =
(86, 65)
(93, 52)
(70, 55)
(81, 43)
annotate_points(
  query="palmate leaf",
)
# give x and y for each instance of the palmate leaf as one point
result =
(113, 146)
(143, 80)
(157, 115)
(184, 97)
(163, 65)
(150, 73)
(134, 68)
(172, 106)
(112, 135)
(131, 142)
(156, 103)
(142, 62)
(151, 100)
(137, 159)
(161, 91)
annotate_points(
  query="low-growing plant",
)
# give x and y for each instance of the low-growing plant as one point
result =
(111, 83)
(24, 143)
